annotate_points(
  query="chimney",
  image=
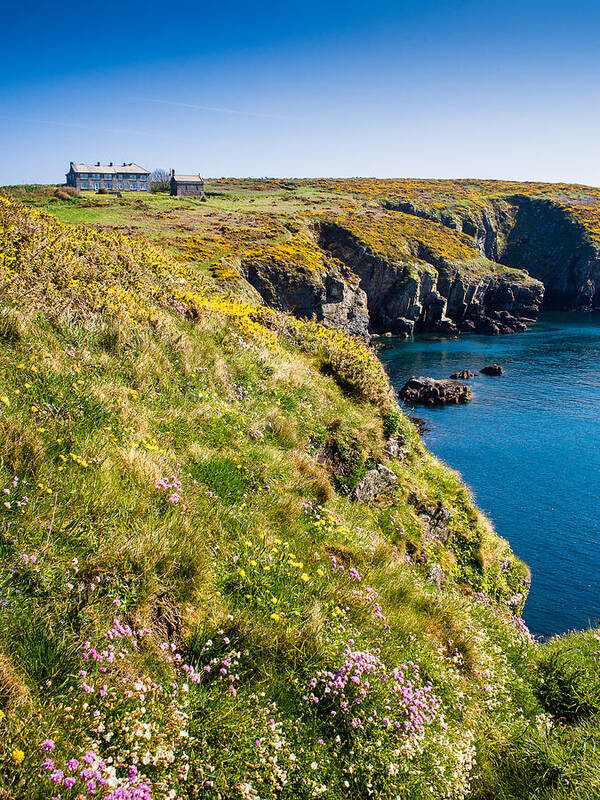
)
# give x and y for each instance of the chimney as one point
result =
(124, 164)
(110, 165)
(97, 163)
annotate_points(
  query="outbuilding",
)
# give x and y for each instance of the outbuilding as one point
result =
(187, 186)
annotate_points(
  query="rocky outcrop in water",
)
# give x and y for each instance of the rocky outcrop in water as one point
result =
(492, 369)
(431, 392)
(463, 375)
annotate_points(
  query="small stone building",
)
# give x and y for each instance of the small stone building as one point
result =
(124, 178)
(187, 186)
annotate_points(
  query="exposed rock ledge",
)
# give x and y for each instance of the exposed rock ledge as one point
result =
(374, 483)
(540, 235)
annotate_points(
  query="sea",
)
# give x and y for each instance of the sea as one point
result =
(528, 446)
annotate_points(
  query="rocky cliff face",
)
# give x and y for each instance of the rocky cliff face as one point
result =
(555, 247)
(377, 271)
(540, 235)
(413, 295)
(331, 295)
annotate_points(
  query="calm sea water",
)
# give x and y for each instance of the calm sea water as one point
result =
(528, 446)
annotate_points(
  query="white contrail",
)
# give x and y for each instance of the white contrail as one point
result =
(82, 126)
(216, 109)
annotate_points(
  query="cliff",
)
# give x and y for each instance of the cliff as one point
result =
(418, 281)
(378, 272)
(298, 278)
(555, 239)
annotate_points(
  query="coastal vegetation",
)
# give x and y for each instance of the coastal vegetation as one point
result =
(198, 598)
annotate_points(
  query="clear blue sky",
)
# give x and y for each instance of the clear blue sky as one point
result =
(492, 88)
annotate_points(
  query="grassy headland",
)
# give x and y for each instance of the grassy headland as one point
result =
(193, 603)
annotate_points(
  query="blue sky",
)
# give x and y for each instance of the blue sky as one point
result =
(380, 88)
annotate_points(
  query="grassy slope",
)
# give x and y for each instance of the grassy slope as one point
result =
(264, 224)
(181, 462)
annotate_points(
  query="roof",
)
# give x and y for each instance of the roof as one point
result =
(188, 178)
(120, 169)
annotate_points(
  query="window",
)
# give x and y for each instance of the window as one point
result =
(84, 185)
(108, 177)
(96, 176)
(133, 186)
(121, 186)
(120, 177)
(108, 184)
(142, 177)
(84, 176)
(96, 186)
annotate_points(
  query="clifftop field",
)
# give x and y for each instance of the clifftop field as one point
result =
(230, 569)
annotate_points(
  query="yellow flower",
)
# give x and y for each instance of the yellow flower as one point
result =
(18, 756)
(2, 715)
(275, 617)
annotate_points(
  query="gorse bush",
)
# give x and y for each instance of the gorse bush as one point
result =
(191, 602)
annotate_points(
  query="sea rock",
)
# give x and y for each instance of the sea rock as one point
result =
(374, 483)
(419, 424)
(431, 392)
(492, 369)
(463, 375)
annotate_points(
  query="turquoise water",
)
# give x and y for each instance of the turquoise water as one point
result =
(528, 446)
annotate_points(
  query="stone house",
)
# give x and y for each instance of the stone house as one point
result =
(187, 186)
(124, 178)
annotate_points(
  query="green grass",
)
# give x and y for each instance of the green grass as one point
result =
(262, 577)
